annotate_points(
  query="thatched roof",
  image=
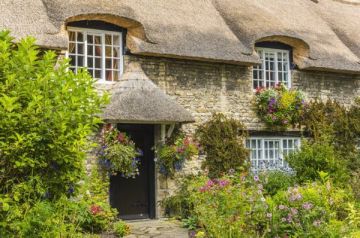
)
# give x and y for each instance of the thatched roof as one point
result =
(325, 34)
(137, 99)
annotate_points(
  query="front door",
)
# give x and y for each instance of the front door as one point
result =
(134, 198)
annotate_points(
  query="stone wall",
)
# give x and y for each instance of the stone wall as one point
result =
(204, 88)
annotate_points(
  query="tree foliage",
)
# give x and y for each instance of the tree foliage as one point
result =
(222, 140)
(46, 116)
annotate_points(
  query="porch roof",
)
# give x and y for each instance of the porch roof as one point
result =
(136, 99)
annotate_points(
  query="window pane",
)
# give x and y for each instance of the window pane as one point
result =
(80, 61)
(116, 39)
(108, 39)
(108, 63)
(98, 63)
(108, 51)
(71, 47)
(90, 39)
(97, 74)
(71, 36)
(90, 49)
(97, 39)
(109, 75)
(90, 62)
(80, 37)
(80, 49)
(98, 50)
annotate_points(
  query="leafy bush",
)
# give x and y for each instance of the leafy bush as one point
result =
(222, 140)
(118, 153)
(276, 180)
(329, 121)
(47, 114)
(279, 107)
(315, 157)
(121, 229)
(172, 155)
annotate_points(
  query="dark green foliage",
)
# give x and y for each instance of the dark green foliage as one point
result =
(222, 140)
(315, 157)
(333, 122)
(275, 181)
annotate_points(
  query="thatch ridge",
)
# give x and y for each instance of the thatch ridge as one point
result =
(213, 30)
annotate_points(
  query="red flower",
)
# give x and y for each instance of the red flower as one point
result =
(95, 209)
(259, 90)
(186, 141)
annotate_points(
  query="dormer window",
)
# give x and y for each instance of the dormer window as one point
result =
(100, 51)
(274, 67)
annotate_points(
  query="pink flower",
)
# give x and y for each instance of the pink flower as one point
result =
(307, 206)
(210, 183)
(282, 207)
(223, 183)
(294, 211)
(256, 178)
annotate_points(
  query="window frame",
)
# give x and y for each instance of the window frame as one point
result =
(275, 51)
(262, 139)
(85, 32)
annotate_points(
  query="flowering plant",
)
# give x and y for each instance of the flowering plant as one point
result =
(118, 153)
(172, 156)
(279, 106)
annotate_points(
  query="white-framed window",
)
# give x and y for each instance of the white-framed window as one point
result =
(274, 68)
(99, 51)
(267, 153)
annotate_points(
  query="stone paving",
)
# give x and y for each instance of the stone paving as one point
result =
(161, 228)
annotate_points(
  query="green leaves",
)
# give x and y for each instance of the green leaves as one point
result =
(9, 104)
(47, 115)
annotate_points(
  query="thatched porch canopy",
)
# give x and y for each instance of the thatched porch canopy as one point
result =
(136, 99)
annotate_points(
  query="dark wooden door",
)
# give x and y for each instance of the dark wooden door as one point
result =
(135, 197)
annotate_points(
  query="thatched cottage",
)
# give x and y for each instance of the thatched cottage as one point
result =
(170, 62)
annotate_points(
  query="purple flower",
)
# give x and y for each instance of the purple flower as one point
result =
(282, 207)
(256, 178)
(307, 206)
(223, 183)
(210, 183)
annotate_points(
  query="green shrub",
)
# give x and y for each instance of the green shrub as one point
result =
(337, 125)
(121, 229)
(276, 180)
(47, 114)
(222, 140)
(316, 157)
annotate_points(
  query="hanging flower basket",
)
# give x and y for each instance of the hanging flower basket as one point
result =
(280, 107)
(172, 156)
(118, 153)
